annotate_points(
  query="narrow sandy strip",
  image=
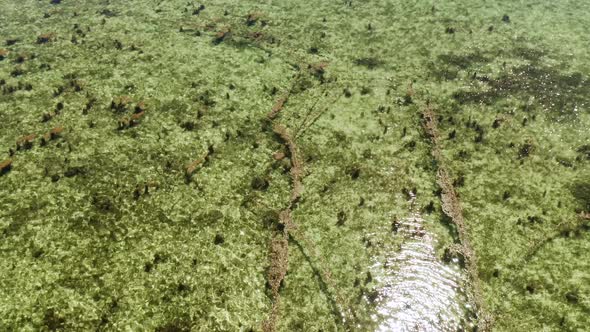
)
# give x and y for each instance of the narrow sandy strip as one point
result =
(279, 245)
(451, 206)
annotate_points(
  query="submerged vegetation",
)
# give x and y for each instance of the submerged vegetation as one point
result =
(241, 166)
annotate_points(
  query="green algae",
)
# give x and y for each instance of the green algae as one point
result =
(581, 191)
(81, 250)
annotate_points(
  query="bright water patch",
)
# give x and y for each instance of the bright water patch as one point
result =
(420, 292)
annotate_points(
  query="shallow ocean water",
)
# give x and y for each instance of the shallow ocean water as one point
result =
(238, 166)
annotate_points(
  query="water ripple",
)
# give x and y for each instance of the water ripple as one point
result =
(418, 291)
